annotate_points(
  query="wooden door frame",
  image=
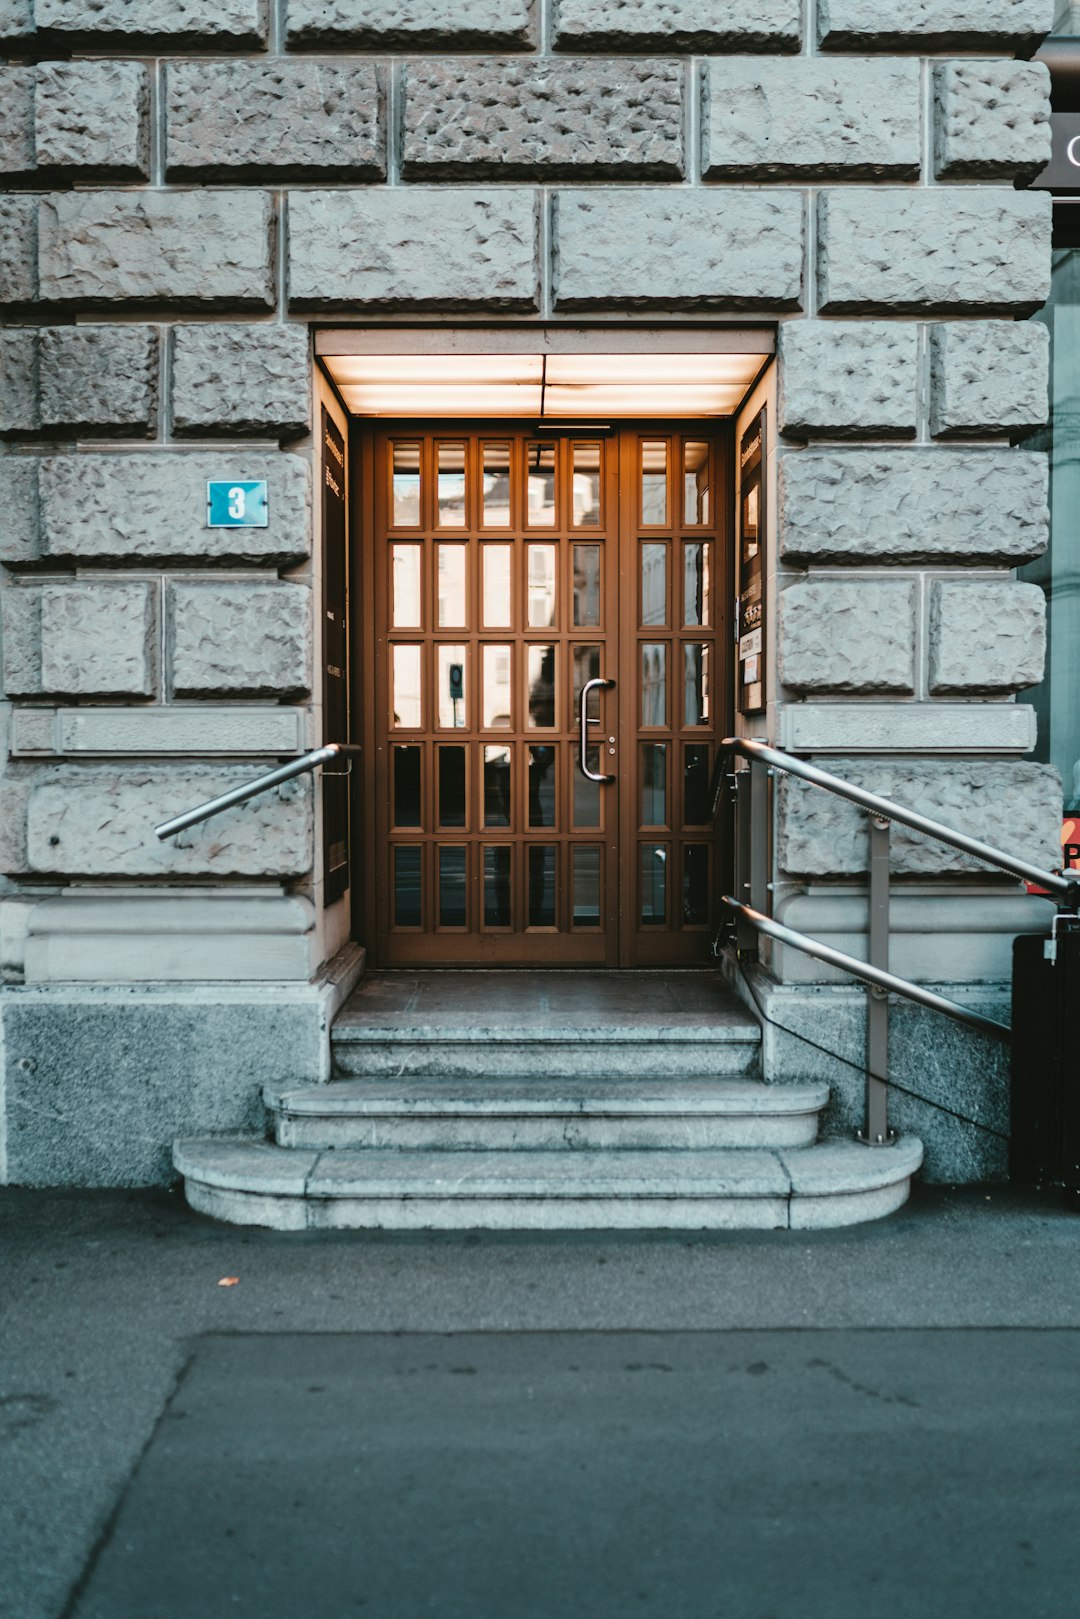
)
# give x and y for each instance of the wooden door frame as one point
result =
(361, 444)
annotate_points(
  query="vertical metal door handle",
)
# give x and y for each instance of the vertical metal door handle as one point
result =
(583, 727)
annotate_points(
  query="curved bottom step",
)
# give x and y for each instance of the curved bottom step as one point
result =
(834, 1183)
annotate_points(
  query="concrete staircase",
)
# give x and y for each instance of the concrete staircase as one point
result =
(525, 1118)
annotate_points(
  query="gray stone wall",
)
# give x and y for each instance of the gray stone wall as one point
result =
(191, 183)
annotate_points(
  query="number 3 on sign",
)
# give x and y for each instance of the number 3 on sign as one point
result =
(237, 503)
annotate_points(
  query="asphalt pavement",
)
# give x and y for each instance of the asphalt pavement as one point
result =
(198, 1420)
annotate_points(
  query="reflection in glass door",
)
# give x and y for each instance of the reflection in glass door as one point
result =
(507, 570)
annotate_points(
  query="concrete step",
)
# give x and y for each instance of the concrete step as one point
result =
(547, 1114)
(460, 1048)
(832, 1184)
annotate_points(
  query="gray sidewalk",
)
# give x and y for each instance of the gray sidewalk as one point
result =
(109, 1302)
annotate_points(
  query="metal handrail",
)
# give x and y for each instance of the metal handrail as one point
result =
(865, 971)
(262, 784)
(889, 811)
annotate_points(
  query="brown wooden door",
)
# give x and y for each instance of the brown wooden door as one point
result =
(506, 570)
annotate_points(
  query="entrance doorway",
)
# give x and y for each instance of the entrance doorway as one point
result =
(545, 684)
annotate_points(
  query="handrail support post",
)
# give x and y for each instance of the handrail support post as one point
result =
(875, 1131)
(746, 939)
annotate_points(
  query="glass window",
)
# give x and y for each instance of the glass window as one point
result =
(541, 586)
(405, 573)
(497, 786)
(654, 784)
(654, 584)
(451, 486)
(696, 784)
(654, 863)
(406, 484)
(405, 696)
(586, 485)
(541, 485)
(586, 885)
(498, 687)
(495, 484)
(695, 483)
(542, 785)
(497, 886)
(497, 602)
(696, 883)
(654, 462)
(452, 887)
(407, 787)
(653, 683)
(453, 592)
(586, 586)
(407, 889)
(451, 674)
(541, 885)
(452, 786)
(696, 583)
(541, 686)
(695, 683)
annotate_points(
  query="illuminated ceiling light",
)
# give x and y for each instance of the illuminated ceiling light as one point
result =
(664, 370)
(539, 386)
(477, 399)
(437, 370)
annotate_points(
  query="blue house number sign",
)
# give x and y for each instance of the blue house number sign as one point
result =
(237, 504)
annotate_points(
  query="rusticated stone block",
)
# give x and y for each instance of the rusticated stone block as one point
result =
(466, 117)
(934, 24)
(195, 22)
(842, 378)
(725, 25)
(19, 411)
(991, 120)
(17, 119)
(913, 506)
(1015, 806)
(19, 513)
(92, 115)
(149, 506)
(768, 119)
(407, 248)
(465, 24)
(18, 248)
(181, 248)
(250, 640)
(942, 251)
(97, 821)
(839, 637)
(657, 249)
(16, 19)
(241, 379)
(97, 377)
(990, 377)
(97, 640)
(79, 640)
(986, 637)
(20, 628)
(286, 117)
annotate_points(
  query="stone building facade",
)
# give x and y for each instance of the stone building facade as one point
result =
(195, 188)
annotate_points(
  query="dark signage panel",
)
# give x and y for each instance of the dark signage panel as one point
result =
(335, 688)
(1062, 173)
(750, 652)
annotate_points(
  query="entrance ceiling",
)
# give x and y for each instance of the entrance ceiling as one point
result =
(557, 387)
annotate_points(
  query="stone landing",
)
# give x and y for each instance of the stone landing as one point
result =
(541, 1101)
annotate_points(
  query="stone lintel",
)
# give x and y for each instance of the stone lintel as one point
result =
(907, 728)
(196, 731)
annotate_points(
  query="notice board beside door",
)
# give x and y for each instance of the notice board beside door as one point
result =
(751, 554)
(335, 688)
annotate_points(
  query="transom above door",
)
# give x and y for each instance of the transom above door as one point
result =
(547, 693)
